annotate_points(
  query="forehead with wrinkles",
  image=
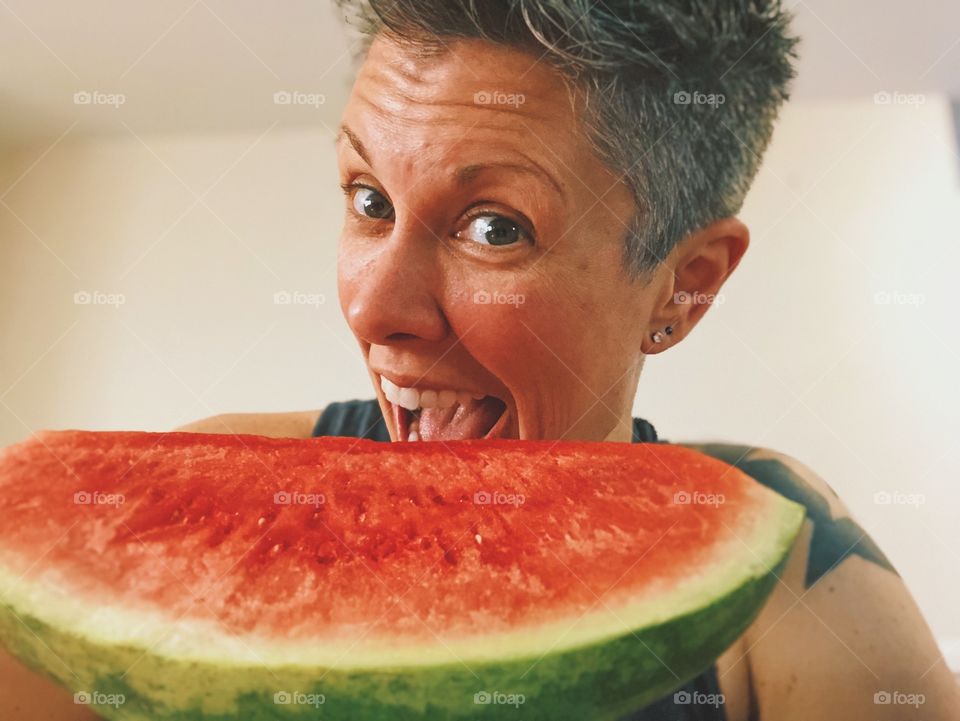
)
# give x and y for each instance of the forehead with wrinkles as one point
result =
(418, 111)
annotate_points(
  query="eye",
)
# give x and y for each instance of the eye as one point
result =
(371, 203)
(493, 229)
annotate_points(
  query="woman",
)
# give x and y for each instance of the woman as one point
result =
(534, 190)
(541, 194)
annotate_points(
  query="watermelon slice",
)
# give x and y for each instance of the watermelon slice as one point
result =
(192, 576)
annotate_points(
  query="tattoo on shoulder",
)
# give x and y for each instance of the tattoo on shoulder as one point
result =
(833, 539)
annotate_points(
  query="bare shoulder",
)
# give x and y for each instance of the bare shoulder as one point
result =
(835, 534)
(293, 424)
(840, 629)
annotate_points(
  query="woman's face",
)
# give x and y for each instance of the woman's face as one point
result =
(480, 265)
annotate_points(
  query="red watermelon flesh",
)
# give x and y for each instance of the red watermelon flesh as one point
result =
(346, 556)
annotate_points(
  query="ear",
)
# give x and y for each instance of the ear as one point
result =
(693, 274)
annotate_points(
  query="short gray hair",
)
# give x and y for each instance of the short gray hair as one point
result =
(681, 95)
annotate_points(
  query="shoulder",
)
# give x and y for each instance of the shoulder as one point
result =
(779, 472)
(835, 535)
(293, 424)
(840, 629)
(355, 418)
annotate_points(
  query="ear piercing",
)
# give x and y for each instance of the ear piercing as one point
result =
(657, 336)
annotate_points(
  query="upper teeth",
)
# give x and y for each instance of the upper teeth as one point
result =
(412, 398)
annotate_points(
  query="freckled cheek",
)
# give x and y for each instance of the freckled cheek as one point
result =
(517, 337)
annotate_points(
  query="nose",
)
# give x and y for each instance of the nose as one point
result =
(393, 291)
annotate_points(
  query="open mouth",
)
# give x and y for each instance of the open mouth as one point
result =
(444, 415)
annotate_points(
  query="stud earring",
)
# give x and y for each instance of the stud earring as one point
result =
(657, 336)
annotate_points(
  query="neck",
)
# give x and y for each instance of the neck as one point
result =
(622, 432)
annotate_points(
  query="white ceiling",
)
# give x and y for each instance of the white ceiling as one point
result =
(214, 65)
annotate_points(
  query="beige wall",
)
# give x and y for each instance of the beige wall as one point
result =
(854, 199)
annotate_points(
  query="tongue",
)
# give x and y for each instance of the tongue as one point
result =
(460, 422)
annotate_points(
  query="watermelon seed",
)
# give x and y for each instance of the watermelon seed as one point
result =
(360, 513)
(266, 518)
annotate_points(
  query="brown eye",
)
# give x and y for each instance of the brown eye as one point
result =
(371, 203)
(493, 230)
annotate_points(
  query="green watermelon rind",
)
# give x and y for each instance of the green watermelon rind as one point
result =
(600, 680)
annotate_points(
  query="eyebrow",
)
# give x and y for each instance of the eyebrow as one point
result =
(466, 174)
(355, 142)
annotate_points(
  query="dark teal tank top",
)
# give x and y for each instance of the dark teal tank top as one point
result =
(363, 419)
